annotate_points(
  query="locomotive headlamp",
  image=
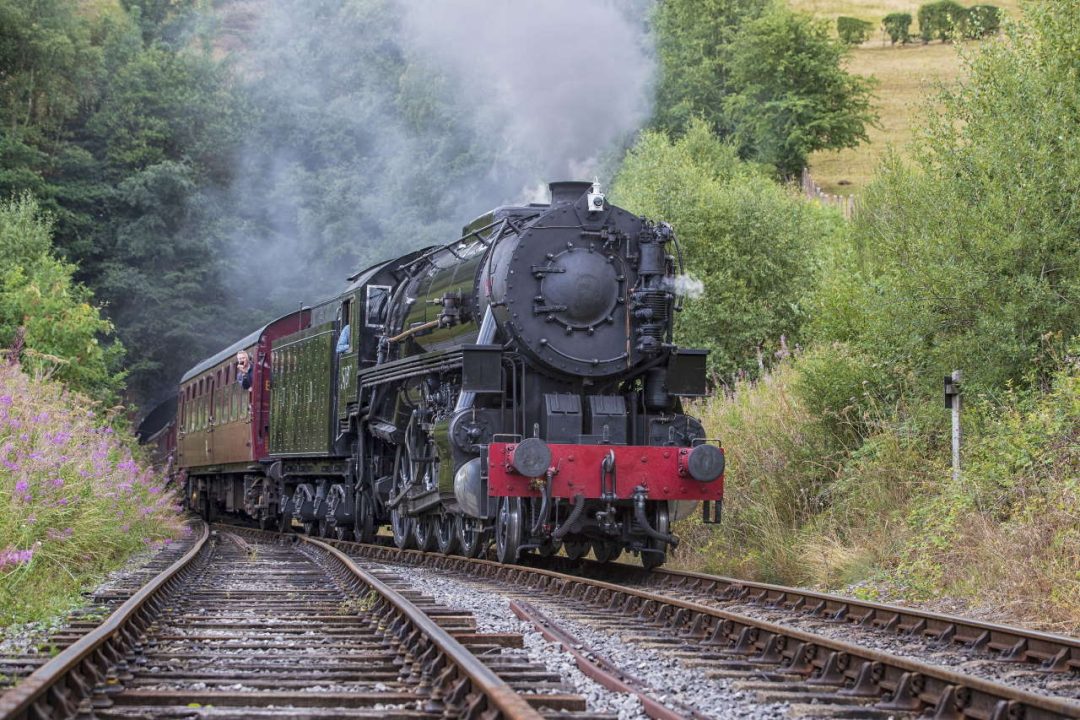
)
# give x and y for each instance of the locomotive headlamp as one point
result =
(596, 198)
(706, 463)
(532, 457)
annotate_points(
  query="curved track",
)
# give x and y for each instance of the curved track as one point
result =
(818, 673)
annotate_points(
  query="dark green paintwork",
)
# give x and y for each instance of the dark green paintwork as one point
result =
(301, 399)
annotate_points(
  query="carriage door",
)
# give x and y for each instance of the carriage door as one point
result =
(212, 416)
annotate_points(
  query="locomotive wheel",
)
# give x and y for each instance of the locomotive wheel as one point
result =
(424, 533)
(445, 536)
(606, 550)
(508, 525)
(470, 539)
(661, 522)
(364, 531)
(576, 550)
(402, 527)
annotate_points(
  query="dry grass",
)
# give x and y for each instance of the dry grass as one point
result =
(908, 77)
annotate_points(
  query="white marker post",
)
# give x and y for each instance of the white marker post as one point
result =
(952, 402)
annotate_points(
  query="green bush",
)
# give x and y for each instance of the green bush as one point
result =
(982, 21)
(969, 260)
(748, 242)
(941, 20)
(853, 31)
(43, 309)
(898, 27)
(845, 388)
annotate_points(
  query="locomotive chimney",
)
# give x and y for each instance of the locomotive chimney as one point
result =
(568, 191)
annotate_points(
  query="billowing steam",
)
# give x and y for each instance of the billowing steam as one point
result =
(553, 83)
(688, 286)
(381, 126)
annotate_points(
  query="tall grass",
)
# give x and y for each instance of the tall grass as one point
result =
(74, 500)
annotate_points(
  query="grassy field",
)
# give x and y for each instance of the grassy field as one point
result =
(908, 77)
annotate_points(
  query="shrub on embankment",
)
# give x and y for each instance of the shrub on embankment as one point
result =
(75, 501)
(834, 483)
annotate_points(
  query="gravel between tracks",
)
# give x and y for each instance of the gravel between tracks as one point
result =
(711, 697)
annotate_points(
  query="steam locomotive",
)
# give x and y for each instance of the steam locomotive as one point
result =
(518, 385)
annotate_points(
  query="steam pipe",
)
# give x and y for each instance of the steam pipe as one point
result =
(575, 514)
(545, 506)
(639, 516)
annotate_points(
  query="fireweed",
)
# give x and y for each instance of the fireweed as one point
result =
(74, 500)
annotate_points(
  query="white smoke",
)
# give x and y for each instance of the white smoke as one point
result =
(553, 83)
(688, 286)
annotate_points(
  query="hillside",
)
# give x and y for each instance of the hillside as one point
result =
(908, 75)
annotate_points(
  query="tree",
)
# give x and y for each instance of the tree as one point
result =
(789, 95)
(852, 31)
(46, 311)
(898, 27)
(692, 37)
(747, 241)
(941, 19)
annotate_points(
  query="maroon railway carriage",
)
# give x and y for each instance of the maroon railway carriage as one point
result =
(223, 429)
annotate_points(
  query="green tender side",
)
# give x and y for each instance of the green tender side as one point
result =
(302, 392)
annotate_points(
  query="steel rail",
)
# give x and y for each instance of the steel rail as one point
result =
(444, 658)
(899, 683)
(67, 683)
(600, 669)
(1055, 653)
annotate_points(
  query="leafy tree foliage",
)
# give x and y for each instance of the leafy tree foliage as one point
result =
(43, 309)
(692, 37)
(747, 240)
(789, 95)
(941, 19)
(971, 260)
(898, 27)
(853, 31)
(982, 21)
(123, 137)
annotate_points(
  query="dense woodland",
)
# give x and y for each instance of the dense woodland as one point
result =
(155, 155)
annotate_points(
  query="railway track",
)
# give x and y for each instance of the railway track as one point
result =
(255, 624)
(801, 648)
(249, 624)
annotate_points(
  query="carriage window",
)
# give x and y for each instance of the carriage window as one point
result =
(378, 296)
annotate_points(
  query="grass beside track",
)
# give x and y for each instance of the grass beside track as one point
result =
(75, 502)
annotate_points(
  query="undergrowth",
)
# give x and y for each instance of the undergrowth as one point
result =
(75, 502)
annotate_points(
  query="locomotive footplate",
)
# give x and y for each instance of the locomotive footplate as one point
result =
(598, 471)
